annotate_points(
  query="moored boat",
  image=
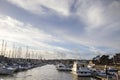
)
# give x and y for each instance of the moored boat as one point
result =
(110, 73)
(62, 67)
(81, 69)
(6, 70)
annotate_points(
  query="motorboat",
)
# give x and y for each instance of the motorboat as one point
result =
(62, 67)
(110, 73)
(112, 70)
(81, 69)
(101, 73)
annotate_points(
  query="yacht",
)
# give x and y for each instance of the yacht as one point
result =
(62, 67)
(81, 69)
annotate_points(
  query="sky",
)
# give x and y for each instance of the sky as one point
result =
(67, 29)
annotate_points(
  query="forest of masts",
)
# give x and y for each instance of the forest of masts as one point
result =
(16, 52)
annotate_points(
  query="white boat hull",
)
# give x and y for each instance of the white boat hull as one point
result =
(82, 74)
(64, 69)
(81, 70)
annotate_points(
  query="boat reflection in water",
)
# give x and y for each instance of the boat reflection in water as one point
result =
(47, 72)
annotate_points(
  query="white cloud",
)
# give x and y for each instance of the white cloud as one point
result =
(90, 11)
(101, 20)
(17, 32)
(94, 13)
(97, 51)
(13, 29)
(102, 23)
(59, 6)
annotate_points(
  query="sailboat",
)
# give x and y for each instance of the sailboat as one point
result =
(5, 69)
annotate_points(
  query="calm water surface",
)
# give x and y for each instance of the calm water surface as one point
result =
(47, 72)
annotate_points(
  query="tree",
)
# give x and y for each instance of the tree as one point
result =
(104, 59)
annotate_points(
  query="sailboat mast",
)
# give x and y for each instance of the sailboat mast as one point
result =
(4, 53)
(2, 47)
(26, 53)
(13, 51)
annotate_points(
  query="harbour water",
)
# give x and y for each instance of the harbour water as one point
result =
(47, 72)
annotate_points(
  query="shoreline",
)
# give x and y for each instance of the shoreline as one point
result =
(103, 66)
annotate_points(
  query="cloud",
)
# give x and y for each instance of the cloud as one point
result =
(98, 21)
(97, 51)
(44, 6)
(101, 22)
(17, 32)
(90, 11)
(11, 28)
